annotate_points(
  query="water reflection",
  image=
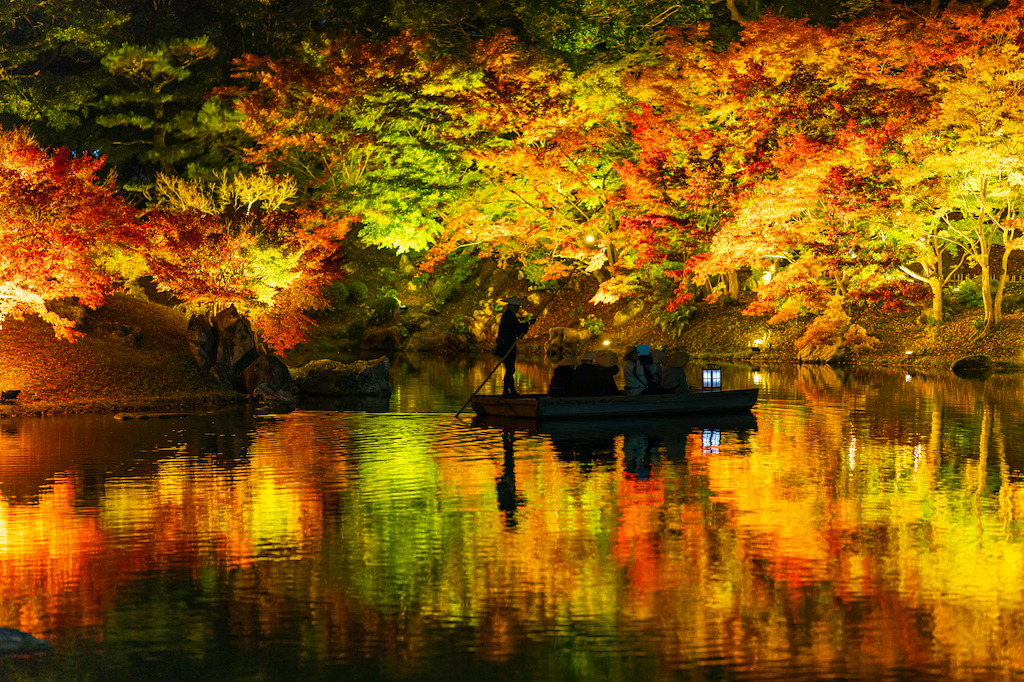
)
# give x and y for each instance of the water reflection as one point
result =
(856, 526)
(508, 499)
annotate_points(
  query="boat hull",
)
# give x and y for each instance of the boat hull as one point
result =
(545, 407)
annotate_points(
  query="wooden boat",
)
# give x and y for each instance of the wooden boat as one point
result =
(538, 406)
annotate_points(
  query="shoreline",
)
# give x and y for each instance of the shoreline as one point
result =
(99, 373)
(204, 401)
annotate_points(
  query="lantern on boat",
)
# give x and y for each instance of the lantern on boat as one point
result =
(712, 378)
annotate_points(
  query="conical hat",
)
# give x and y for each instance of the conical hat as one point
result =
(514, 300)
(607, 359)
(587, 356)
(567, 361)
(659, 356)
(679, 359)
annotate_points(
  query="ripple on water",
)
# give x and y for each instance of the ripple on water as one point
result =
(860, 527)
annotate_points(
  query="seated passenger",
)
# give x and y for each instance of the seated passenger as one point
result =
(586, 377)
(642, 374)
(561, 379)
(634, 380)
(608, 367)
(659, 360)
(673, 377)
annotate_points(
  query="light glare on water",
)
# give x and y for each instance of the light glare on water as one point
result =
(857, 526)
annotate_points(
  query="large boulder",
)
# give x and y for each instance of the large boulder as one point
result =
(381, 338)
(458, 342)
(236, 344)
(627, 314)
(267, 375)
(69, 309)
(121, 333)
(427, 341)
(233, 346)
(332, 378)
(202, 341)
(223, 345)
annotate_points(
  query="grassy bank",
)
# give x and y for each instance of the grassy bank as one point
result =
(100, 373)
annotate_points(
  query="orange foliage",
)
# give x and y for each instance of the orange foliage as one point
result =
(56, 220)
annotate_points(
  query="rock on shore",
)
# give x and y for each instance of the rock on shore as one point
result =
(332, 378)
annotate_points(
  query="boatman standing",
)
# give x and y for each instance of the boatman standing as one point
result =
(510, 328)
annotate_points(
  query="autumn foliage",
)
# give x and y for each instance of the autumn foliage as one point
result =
(65, 234)
(240, 242)
(823, 167)
(57, 220)
(846, 161)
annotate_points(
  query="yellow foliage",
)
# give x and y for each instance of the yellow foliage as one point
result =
(235, 191)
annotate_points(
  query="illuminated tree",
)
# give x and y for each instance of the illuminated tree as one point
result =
(364, 128)
(540, 147)
(47, 53)
(594, 28)
(964, 168)
(780, 149)
(238, 242)
(57, 221)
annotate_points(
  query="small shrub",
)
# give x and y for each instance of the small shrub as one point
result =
(458, 326)
(357, 292)
(824, 330)
(674, 321)
(460, 268)
(337, 295)
(968, 293)
(443, 289)
(356, 330)
(593, 324)
(383, 310)
(858, 340)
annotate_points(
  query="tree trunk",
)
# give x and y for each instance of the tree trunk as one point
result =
(983, 256)
(997, 305)
(986, 297)
(610, 253)
(732, 286)
(936, 286)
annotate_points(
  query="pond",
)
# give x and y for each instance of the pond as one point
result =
(858, 525)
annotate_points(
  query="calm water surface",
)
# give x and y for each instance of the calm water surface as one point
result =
(860, 525)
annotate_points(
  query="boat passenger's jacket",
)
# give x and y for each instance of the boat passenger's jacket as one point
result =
(589, 380)
(584, 379)
(561, 381)
(607, 385)
(673, 380)
(639, 377)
